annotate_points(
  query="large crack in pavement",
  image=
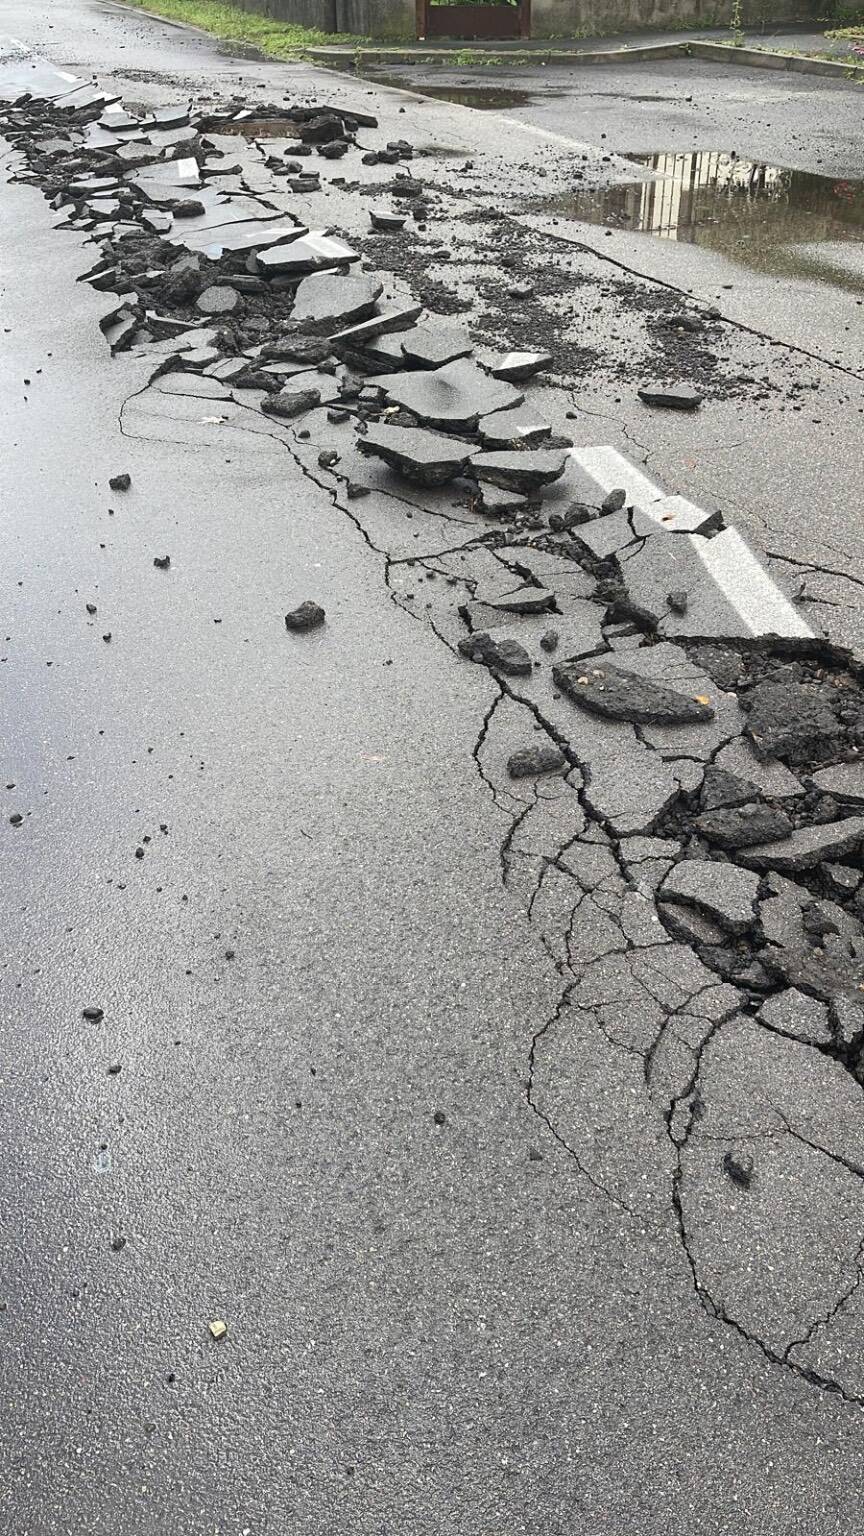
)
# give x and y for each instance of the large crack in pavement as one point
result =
(681, 788)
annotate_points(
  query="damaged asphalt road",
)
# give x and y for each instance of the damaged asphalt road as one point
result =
(472, 984)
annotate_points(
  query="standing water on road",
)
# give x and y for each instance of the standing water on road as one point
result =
(762, 216)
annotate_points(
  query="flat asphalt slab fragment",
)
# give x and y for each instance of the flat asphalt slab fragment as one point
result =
(743, 826)
(517, 366)
(844, 782)
(427, 458)
(677, 397)
(795, 1013)
(665, 564)
(455, 396)
(525, 471)
(387, 323)
(433, 346)
(722, 891)
(312, 252)
(808, 846)
(326, 303)
(519, 428)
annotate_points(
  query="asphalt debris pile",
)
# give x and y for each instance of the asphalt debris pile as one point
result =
(681, 802)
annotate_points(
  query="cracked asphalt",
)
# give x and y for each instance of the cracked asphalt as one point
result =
(525, 1207)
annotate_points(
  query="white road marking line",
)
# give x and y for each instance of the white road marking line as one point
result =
(613, 472)
(727, 558)
(744, 582)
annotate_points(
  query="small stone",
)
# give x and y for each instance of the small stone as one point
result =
(92, 1013)
(739, 1169)
(187, 208)
(114, 1069)
(673, 397)
(120, 482)
(549, 640)
(217, 1328)
(91, 608)
(613, 502)
(531, 760)
(354, 491)
(439, 1117)
(139, 852)
(162, 562)
(677, 600)
(308, 616)
(16, 819)
(327, 458)
(118, 1244)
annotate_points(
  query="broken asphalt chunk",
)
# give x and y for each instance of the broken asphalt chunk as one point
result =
(309, 615)
(326, 303)
(431, 346)
(522, 471)
(807, 847)
(218, 300)
(454, 397)
(519, 428)
(723, 892)
(120, 482)
(517, 366)
(743, 826)
(426, 458)
(313, 252)
(674, 397)
(619, 695)
(845, 782)
(501, 655)
(291, 402)
(385, 220)
(793, 721)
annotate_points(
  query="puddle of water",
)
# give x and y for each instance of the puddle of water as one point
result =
(485, 98)
(754, 214)
(263, 128)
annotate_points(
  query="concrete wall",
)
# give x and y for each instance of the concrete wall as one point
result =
(394, 20)
(599, 18)
(390, 19)
(307, 13)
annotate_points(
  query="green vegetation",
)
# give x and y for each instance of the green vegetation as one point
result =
(278, 39)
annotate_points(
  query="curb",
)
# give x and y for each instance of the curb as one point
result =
(718, 53)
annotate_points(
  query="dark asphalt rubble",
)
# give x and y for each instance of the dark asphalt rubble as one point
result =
(676, 796)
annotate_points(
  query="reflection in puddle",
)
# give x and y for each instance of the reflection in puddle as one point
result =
(262, 128)
(751, 213)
